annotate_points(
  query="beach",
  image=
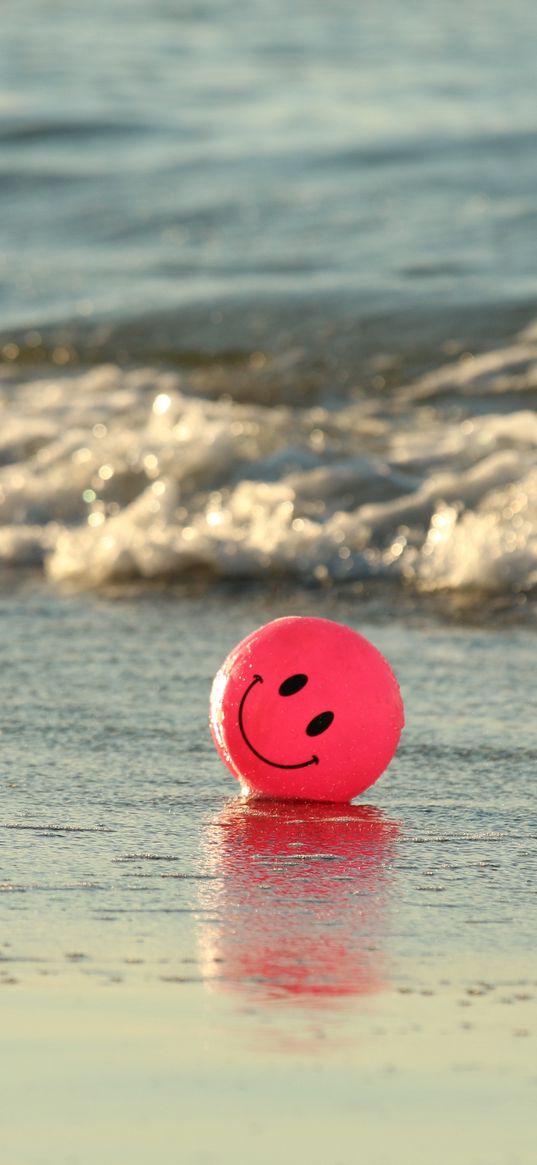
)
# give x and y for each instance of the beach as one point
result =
(268, 347)
(128, 1072)
(193, 975)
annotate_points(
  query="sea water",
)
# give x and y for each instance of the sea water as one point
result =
(268, 346)
(267, 309)
(113, 474)
(268, 292)
(179, 155)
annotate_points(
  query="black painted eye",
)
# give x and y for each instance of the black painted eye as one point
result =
(292, 684)
(320, 723)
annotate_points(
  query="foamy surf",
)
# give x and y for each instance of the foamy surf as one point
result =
(110, 474)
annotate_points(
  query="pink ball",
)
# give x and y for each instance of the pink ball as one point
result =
(306, 709)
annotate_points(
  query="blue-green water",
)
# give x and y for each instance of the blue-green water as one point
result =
(265, 270)
(170, 156)
(281, 224)
(267, 283)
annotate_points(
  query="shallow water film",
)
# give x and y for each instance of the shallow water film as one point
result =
(310, 956)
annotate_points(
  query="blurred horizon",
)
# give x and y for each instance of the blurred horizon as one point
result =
(166, 164)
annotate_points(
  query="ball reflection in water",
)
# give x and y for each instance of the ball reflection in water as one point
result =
(295, 902)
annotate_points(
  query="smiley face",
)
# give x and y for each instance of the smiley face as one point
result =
(317, 725)
(306, 709)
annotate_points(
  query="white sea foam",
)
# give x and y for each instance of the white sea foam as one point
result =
(111, 474)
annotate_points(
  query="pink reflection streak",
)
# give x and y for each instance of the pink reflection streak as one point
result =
(298, 900)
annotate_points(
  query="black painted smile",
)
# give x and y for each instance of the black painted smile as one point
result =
(314, 760)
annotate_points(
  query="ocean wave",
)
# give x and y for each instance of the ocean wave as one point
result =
(112, 474)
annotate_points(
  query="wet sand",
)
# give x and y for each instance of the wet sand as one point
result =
(119, 1071)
